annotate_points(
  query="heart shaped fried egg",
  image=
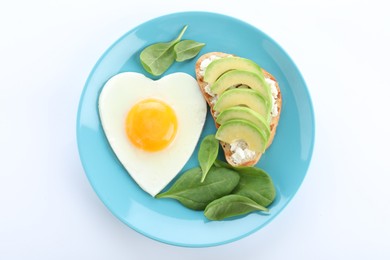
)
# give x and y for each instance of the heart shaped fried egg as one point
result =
(152, 126)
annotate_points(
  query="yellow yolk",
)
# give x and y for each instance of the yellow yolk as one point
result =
(151, 125)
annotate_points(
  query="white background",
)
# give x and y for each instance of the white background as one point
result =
(48, 210)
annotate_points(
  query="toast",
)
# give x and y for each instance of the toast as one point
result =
(199, 71)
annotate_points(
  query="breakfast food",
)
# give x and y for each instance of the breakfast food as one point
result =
(245, 102)
(147, 123)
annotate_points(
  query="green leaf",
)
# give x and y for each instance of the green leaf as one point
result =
(187, 49)
(231, 206)
(208, 152)
(193, 194)
(255, 184)
(158, 57)
(219, 163)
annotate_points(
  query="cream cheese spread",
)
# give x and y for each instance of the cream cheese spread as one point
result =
(241, 153)
(274, 92)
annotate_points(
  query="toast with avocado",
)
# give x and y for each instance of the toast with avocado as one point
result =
(245, 102)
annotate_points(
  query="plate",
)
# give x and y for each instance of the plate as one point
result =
(165, 220)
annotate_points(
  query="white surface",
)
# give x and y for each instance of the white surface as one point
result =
(49, 210)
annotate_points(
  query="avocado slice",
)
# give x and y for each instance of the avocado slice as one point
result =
(234, 78)
(245, 113)
(240, 129)
(217, 67)
(244, 97)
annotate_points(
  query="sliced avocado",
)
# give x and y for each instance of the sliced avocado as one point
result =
(244, 97)
(241, 77)
(217, 67)
(240, 129)
(246, 114)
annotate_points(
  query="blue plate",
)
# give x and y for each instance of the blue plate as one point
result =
(165, 220)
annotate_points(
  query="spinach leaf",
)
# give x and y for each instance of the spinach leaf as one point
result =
(255, 184)
(230, 206)
(219, 163)
(158, 57)
(187, 49)
(207, 154)
(193, 194)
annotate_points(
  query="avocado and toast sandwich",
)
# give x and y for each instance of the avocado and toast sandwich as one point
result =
(245, 102)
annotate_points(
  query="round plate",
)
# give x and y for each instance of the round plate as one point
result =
(166, 220)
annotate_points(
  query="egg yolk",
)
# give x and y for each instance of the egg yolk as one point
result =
(151, 125)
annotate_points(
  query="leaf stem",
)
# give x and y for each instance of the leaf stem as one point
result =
(181, 34)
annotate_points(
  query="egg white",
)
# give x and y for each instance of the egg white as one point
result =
(152, 170)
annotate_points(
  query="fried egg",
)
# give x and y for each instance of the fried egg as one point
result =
(152, 126)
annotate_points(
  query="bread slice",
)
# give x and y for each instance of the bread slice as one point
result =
(274, 121)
